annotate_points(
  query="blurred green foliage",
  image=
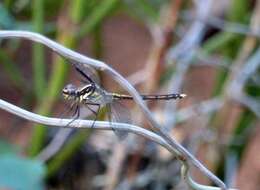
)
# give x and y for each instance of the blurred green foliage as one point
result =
(86, 18)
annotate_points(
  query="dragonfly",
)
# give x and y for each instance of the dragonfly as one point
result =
(92, 94)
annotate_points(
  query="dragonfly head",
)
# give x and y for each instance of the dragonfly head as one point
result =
(69, 91)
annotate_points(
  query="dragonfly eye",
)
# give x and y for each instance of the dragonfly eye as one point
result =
(70, 89)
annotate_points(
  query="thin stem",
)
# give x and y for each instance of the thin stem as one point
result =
(81, 59)
(102, 125)
(78, 123)
(38, 62)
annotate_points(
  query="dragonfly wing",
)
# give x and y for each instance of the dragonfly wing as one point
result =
(118, 113)
(73, 111)
(88, 73)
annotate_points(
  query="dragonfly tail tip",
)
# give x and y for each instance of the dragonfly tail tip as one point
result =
(183, 95)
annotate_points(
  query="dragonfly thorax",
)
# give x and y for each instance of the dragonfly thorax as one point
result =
(70, 91)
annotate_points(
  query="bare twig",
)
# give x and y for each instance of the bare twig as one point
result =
(233, 89)
(192, 184)
(231, 27)
(200, 59)
(55, 145)
(183, 52)
(87, 124)
(245, 72)
(162, 35)
(183, 154)
(100, 125)
(244, 66)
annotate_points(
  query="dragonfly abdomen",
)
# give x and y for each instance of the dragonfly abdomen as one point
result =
(149, 97)
(163, 97)
(121, 97)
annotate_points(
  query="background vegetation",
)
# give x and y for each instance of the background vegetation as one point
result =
(204, 48)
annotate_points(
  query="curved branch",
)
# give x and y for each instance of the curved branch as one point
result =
(79, 123)
(81, 59)
(101, 125)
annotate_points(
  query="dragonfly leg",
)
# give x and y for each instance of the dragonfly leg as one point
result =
(77, 112)
(68, 110)
(94, 112)
(84, 75)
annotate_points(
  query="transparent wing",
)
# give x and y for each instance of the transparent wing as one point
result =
(88, 73)
(118, 113)
(68, 110)
(71, 111)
